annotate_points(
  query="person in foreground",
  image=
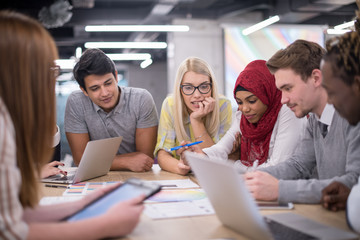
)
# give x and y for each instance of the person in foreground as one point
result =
(102, 109)
(323, 155)
(194, 112)
(263, 128)
(341, 71)
(27, 104)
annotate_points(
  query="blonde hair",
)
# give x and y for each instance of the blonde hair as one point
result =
(212, 120)
(28, 91)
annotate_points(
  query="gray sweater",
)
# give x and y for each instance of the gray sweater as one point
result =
(318, 161)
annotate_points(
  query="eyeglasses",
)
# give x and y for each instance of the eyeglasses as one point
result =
(190, 89)
(56, 70)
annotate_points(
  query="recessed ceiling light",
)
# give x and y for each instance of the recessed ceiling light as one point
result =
(144, 45)
(337, 31)
(128, 56)
(345, 25)
(137, 28)
(261, 25)
(146, 63)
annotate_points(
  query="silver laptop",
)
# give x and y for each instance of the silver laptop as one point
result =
(95, 161)
(236, 208)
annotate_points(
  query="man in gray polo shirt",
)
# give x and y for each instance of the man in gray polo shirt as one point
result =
(324, 154)
(102, 109)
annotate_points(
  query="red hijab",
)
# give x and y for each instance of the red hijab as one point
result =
(255, 138)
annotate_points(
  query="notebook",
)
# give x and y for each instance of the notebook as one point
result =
(95, 161)
(236, 208)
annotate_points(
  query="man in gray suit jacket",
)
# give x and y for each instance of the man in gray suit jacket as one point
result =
(328, 150)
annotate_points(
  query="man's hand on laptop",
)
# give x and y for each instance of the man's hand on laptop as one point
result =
(262, 185)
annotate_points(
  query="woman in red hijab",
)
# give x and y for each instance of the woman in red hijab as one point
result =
(264, 132)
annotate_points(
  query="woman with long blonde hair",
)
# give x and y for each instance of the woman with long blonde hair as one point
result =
(27, 117)
(194, 112)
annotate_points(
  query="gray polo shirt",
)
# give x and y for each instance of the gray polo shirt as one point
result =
(136, 109)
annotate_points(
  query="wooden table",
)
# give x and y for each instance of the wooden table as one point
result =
(199, 227)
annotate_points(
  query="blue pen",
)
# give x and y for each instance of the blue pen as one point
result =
(186, 145)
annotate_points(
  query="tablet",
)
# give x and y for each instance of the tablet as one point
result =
(132, 188)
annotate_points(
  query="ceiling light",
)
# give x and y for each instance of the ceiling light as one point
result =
(337, 31)
(345, 25)
(137, 28)
(161, 9)
(146, 63)
(260, 25)
(128, 56)
(78, 52)
(147, 45)
(70, 63)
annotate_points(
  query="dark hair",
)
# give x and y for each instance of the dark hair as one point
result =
(93, 61)
(301, 56)
(240, 88)
(343, 53)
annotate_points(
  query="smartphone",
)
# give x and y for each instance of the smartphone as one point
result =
(274, 205)
(132, 188)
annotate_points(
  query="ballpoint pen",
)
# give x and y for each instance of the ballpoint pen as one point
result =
(56, 186)
(186, 145)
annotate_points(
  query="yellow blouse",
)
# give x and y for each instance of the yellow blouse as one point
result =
(166, 138)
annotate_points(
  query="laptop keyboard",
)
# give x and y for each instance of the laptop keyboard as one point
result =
(282, 232)
(71, 177)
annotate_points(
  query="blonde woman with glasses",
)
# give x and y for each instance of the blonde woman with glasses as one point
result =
(194, 112)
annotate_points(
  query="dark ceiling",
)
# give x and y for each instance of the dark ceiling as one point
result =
(72, 34)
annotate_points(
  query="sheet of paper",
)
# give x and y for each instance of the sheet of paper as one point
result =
(84, 188)
(177, 195)
(58, 199)
(175, 184)
(178, 209)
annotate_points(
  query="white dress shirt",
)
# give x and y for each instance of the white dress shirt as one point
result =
(284, 138)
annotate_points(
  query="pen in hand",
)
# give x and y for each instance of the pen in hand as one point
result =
(254, 166)
(186, 145)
